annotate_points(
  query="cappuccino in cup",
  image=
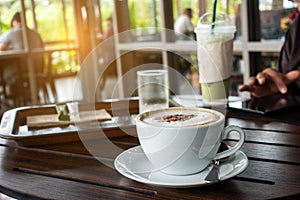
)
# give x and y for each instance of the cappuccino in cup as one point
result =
(178, 117)
(183, 141)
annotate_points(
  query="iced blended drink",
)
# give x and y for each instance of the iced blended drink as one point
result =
(214, 52)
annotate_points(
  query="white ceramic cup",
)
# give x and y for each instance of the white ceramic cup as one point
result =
(182, 141)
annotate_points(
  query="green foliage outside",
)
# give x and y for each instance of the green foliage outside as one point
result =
(50, 25)
(143, 13)
(50, 20)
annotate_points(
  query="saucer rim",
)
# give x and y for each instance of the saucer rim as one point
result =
(201, 183)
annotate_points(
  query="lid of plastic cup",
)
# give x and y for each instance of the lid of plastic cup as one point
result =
(223, 24)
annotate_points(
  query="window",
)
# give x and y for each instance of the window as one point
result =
(55, 21)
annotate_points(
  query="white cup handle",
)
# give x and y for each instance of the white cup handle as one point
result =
(236, 147)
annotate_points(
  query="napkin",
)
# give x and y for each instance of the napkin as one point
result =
(48, 120)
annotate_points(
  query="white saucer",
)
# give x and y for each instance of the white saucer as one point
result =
(187, 100)
(133, 164)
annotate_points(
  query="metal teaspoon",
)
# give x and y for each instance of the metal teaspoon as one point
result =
(214, 174)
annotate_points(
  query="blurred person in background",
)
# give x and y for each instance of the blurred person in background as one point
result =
(184, 25)
(184, 30)
(109, 31)
(13, 40)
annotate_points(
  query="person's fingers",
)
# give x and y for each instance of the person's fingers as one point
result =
(248, 87)
(261, 78)
(277, 79)
(269, 82)
(260, 91)
(252, 81)
(291, 76)
(281, 102)
(245, 88)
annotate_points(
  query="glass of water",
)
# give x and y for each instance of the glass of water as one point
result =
(153, 89)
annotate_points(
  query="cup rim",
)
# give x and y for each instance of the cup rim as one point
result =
(151, 72)
(221, 117)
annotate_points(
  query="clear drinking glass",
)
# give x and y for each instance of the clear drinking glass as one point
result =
(153, 89)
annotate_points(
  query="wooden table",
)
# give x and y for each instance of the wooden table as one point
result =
(69, 171)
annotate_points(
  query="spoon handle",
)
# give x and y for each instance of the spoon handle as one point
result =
(213, 175)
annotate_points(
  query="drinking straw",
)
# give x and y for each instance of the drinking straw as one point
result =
(214, 16)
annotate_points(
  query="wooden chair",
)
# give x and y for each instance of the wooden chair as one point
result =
(20, 90)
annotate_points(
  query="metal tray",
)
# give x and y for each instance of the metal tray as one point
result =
(13, 123)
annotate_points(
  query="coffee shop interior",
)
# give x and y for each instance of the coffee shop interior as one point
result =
(71, 118)
(92, 49)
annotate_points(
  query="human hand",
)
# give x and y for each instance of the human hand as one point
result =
(269, 81)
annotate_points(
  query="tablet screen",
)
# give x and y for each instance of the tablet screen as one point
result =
(265, 105)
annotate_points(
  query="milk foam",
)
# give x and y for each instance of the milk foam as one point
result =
(200, 117)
